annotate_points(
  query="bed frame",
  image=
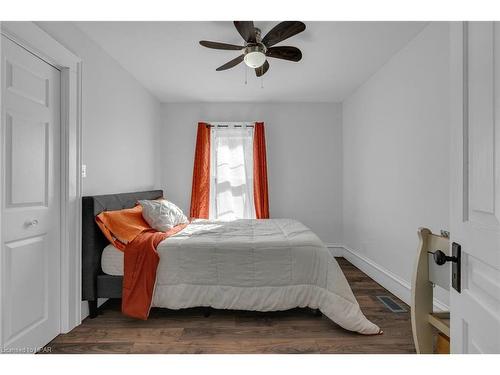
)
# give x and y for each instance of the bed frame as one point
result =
(95, 283)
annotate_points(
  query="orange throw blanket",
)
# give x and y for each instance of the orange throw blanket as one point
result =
(139, 276)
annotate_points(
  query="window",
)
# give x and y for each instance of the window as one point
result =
(231, 180)
(224, 184)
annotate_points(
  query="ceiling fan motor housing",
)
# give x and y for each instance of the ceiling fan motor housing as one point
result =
(258, 35)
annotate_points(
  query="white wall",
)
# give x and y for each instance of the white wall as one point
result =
(121, 119)
(304, 155)
(396, 143)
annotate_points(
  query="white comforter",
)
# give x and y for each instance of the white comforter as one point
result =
(261, 265)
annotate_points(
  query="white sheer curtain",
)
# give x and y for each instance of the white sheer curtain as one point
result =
(231, 186)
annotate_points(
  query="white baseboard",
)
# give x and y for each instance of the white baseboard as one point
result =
(393, 283)
(440, 306)
(336, 249)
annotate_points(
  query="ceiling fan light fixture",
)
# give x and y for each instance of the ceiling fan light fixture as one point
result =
(255, 56)
(255, 59)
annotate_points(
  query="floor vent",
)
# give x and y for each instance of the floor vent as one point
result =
(391, 304)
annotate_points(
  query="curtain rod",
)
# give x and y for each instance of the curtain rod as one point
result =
(223, 124)
(227, 126)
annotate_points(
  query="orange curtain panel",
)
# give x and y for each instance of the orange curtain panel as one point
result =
(200, 193)
(261, 199)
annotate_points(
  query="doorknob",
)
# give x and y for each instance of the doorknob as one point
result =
(441, 258)
(456, 258)
(32, 223)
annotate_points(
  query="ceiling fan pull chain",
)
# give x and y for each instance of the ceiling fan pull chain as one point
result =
(262, 82)
(246, 73)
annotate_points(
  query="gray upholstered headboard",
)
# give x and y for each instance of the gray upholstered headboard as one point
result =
(93, 241)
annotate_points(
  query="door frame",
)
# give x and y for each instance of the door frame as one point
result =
(36, 41)
(458, 144)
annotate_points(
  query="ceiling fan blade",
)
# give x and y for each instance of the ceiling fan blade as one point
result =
(246, 30)
(261, 70)
(285, 53)
(231, 63)
(218, 45)
(282, 31)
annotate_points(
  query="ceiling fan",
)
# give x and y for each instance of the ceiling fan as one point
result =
(257, 49)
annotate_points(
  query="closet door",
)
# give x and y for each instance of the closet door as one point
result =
(475, 188)
(30, 209)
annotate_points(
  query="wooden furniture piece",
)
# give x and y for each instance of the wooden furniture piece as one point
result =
(424, 321)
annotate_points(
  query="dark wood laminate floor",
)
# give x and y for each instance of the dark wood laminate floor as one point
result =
(226, 331)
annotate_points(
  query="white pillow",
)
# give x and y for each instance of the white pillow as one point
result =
(161, 214)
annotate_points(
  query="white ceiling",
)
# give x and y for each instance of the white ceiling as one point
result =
(167, 59)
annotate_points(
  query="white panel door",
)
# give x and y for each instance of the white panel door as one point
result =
(30, 248)
(475, 206)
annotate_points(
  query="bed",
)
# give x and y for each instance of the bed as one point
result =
(260, 265)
